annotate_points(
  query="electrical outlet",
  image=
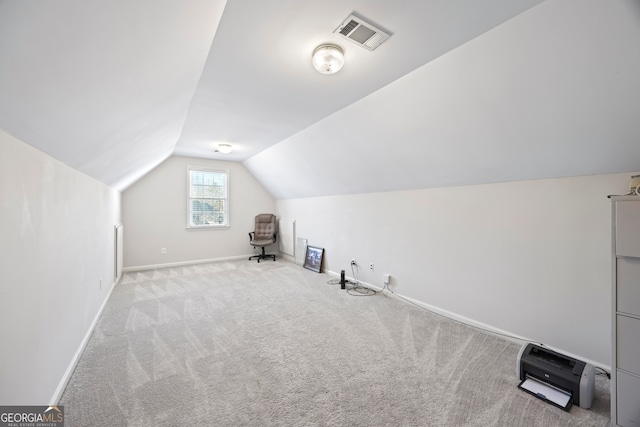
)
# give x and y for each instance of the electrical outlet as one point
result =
(163, 251)
(371, 266)
(387, 279)
(353, 261)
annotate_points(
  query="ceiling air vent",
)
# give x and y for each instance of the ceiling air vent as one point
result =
(361, 33)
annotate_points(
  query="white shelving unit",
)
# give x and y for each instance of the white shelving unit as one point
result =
(625, 299)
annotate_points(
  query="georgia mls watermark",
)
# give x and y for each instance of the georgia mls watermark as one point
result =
(31, 416)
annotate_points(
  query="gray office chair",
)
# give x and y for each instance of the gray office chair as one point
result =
(264, 235)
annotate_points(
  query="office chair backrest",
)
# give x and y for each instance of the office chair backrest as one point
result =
(265, 226)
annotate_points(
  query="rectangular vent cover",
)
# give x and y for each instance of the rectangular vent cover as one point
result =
(301, 250)
(361, 33)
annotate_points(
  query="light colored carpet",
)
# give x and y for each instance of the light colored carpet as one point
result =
(272, 344)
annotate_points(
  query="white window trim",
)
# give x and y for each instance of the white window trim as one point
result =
(210, 226)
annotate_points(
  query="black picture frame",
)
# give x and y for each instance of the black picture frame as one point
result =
(313, 258)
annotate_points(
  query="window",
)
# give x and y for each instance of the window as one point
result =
(208, 200)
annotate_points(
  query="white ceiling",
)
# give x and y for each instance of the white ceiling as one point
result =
(553, 92)
(114, 87)
(258, 86)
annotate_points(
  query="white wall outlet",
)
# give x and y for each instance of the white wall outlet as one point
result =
(387, 279)
(371, 266)
(163, 251)
(353, 261)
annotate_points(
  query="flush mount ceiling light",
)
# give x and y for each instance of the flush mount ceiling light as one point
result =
(224, 148)
(328, 58)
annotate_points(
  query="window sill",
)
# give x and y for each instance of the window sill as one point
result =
(209, 227)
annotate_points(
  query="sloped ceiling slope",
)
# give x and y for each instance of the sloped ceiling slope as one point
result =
(462, 93)
(113, 87)
(259, 88)
(554, 92)
(103, 86)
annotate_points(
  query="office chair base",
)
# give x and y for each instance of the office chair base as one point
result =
(262, 256)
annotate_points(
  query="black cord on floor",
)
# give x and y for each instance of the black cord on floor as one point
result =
(360, 290)
(356, 289)
(600, 371)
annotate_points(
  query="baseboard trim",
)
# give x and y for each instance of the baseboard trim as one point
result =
(55, 399)
(473, 323)
(288, 258)
(184, 263)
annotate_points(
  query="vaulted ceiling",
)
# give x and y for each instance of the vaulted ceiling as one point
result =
(462, 93)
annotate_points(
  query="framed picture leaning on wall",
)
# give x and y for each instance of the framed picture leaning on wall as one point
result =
(313, 258)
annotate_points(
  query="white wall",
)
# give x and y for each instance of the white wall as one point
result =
(57, 233)
(154, 214)
(530, 257)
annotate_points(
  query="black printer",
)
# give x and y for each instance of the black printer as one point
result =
(556, 378)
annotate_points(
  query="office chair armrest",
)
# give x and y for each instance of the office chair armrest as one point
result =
(251, 233)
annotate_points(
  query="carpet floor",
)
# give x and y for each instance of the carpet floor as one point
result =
(272, 344)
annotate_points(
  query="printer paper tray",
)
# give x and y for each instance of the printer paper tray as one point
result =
(550, 394)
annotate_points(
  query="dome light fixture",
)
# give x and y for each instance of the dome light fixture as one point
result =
(328, 58)
(224, 148)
